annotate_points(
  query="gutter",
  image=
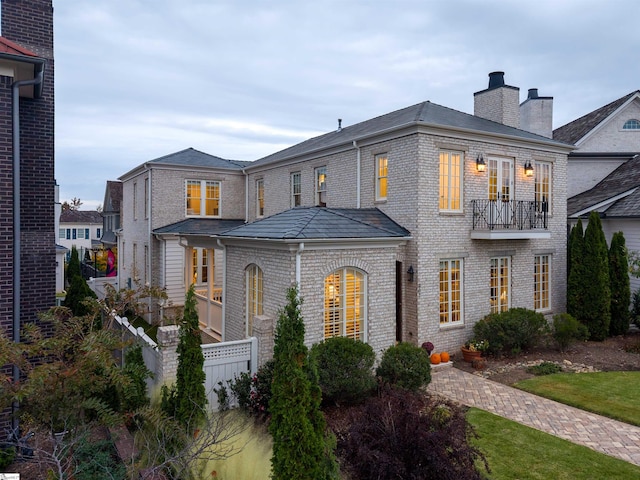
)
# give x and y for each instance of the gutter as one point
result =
(17, 232)
(224, 289)
(246, 195)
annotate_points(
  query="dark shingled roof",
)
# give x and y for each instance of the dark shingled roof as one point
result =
(200, 226)
(572, 132)
(322, 223)
(623, 179)
(194, 158)
(425, 113)
(80, 216)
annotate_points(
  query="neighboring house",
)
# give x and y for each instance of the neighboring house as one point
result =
(111, 213)
(27, 220)
(81, 229)
(409, 226)
(61, 251)
(187, 186)
(604, 171)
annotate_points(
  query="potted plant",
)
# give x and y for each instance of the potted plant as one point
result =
(474, 349)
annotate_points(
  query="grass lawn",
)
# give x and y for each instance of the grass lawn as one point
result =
(611, 394)
(515, 451)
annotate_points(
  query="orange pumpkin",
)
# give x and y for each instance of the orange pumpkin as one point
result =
(435, 358)
(444, 357)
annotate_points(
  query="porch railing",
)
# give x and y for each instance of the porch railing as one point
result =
(509, 214)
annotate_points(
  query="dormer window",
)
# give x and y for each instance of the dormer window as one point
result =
(631, 125)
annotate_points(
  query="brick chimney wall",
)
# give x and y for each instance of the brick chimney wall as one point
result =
(499, 103)
(536, 114)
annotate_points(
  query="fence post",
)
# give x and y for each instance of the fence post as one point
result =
(167, 365)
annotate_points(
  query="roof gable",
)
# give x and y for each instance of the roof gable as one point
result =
(112, 196)
(7, 46)
(194, 158)
(81, 216)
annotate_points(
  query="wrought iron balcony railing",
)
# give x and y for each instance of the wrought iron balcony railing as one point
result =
(509, 214)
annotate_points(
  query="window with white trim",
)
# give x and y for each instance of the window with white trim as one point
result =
(345, 292)
(260, 198)
(202, 198)
(382, 164)
(321, 186)
(543, 186)
(296, 189)
(199, 266)
(500, 293)
(135, 201)
(541, 282)
(450, 181)
(451, 291)
(254, 291)
(632, 124)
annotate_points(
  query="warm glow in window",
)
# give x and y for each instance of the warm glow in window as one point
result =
(254, 295)
(450, 181)
(344, 304)
(321, 186)
(541, 282)
(199, 205)
(381, 176)
(450, 291)
(296, 189)
(500, 296)
(543, 186)
(260, 198)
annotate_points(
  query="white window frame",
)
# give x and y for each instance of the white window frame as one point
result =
(203, 184)
(296, 189)
(260, 198)
(451, 168)
(337, 304)
(254, 295)
(447, 299)
(320, 175)
(542, 282)
(135, 200)
(541, 168)
(631, 125)
(146, 197)
(382, 176)
(500, 284)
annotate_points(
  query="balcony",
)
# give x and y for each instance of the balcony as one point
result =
(509, 219)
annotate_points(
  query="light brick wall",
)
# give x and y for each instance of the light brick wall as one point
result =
(536, 116)
(500, 105)
(611, 138)
(585, 173)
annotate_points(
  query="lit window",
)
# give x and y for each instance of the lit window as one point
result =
(321, 186)
(344, 304)
(296, 189)
(543, 186)
(260, 198)
(631, 125)
(450, 181)
(199, 266)
(450, 291)
(500, 296)
(381, 176)
(254, 295)
(203, 198)
(541, 279)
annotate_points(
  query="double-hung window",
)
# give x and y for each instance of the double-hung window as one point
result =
(260, 198)
(345, 293)
(199, 266)
(451, 291)
(254, 298)
(541, 282)
(382, 164)
(296, 189)
(321, 186)
(450, 181)
(203, 198)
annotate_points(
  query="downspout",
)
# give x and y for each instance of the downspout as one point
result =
(358, 161)
(298, 258)
(17, 232)
(224, 289)
(246, 195)
(147, 213)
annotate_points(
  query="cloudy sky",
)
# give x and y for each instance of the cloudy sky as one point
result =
(138, 79)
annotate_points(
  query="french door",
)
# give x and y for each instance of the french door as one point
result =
(500, 191)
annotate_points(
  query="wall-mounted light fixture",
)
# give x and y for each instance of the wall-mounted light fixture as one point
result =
(411, 272)
(480, 165)
(528, 169)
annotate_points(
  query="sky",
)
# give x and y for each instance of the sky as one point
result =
(139, 79)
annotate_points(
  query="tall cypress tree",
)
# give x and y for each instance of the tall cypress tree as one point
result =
(78, 290)
(301, 447)
(596, 313)
(575, 276)
(620, 287)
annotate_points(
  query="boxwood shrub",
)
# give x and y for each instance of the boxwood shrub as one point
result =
(345, 369)
(406, 366)
(511, 331)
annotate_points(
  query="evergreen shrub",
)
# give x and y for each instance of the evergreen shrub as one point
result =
(511, 331)
(406, 366)
(567, 330)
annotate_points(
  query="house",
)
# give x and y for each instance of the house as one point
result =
(27, 196)
(81, 229)
(189, 188)
(111, 213)
(604, 170)
(61, 252)
(409, 226)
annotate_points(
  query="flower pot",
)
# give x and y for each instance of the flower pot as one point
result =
(470, 355)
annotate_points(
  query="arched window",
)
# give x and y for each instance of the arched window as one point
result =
(631, 125)
(254, 295)
(345, 312)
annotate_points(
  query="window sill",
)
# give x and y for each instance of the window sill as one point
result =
(379, 201)
(451, 213)
(452, 326)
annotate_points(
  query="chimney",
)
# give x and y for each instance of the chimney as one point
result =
(536, 114)
(499, 102)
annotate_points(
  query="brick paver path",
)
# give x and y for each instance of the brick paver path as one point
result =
(594, 431)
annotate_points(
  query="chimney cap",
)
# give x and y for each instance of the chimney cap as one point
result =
(496, 80)
(533, 93)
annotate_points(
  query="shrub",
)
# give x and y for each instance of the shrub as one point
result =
(511, 331)
(567, 330)
(345, 369)
(406, 366)
(97, 460)
(401, 434)
(7, 456)
(252, 393)
(545, 368)
(635, 307)
(620, 285)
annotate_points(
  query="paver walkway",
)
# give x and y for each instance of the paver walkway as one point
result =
(599, 433)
